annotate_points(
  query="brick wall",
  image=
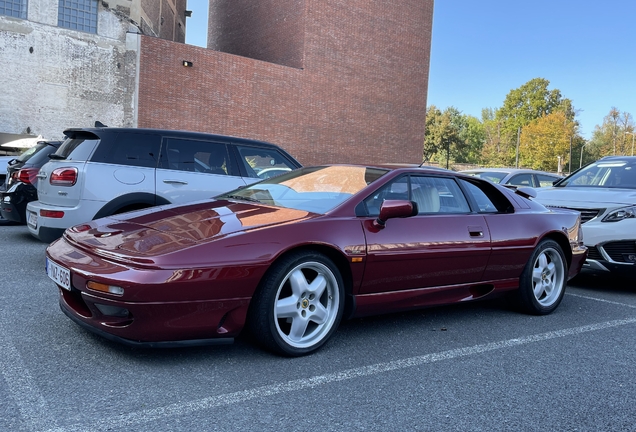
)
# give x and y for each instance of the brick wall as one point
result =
(360, 96)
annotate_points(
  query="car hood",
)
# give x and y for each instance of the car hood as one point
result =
(585, 197)
(163, 230)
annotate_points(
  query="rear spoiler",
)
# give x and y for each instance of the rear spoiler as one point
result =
(526, 192)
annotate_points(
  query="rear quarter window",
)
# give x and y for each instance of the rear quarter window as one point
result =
(129, 148)
(486, 198)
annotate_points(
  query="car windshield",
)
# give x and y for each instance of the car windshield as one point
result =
(604, 174)
(313, 189)
(493, 176)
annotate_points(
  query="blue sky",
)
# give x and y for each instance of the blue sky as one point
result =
(482, 49)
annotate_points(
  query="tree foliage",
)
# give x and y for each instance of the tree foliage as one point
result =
(543, 121)
(544, 140)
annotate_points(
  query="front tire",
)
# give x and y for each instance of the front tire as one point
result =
(543, 280)
(299, 304)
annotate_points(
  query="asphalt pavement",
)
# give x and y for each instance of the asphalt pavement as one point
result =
(471, 367)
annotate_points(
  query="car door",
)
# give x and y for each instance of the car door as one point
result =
(192, 170)
(444, 244)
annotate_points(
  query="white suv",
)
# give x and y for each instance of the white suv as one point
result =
(605, 194)
(98, 172)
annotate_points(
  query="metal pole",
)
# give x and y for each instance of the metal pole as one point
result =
(570, 165)
(517, 158)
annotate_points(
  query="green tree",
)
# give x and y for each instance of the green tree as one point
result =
(530, 102)
(544, 140)
(613, 136)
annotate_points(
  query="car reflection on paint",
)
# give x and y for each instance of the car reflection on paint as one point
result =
(291, 256)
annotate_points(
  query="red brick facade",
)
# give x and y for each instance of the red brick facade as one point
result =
(349, 87)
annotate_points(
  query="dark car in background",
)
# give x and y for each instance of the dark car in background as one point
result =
(20, 187)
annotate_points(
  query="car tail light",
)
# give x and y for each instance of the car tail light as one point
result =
(52, 214)
(64, 176)
(28, 175)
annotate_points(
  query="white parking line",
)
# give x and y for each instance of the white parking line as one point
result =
(181, 409)
(602, 300)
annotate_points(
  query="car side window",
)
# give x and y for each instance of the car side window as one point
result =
(195, 156)
(521, 180)
(433, 195)
(545, 180)
(133, 149)
(438, 195)
(263, 163)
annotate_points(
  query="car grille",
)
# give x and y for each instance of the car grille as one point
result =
(593, 253)
(618, 250)
(586, 214)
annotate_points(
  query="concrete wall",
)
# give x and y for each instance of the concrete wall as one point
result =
(55, 78)
(359, 94)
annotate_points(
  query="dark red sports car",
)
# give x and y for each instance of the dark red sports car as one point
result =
(290, 256)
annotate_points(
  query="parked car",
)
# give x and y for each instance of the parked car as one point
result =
(20, 187)
(103, 171)
(605, 194)
(294, 254)
(516, 176)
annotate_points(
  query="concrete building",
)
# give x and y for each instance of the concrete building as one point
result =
(69, 63)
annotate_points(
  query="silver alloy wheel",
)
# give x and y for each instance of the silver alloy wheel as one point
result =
(306, 305)
(548, 276)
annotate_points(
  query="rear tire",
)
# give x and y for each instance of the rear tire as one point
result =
(543, 280)
(298, 305)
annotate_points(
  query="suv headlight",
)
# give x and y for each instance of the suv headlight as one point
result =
(620, 214)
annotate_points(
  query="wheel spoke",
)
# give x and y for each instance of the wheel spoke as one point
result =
(287, 307)
(318, 285)
(551, 270)
(538, 290)
(298, 327)
(536, 276)
(543, 261)
(298, 283)
(320, 315)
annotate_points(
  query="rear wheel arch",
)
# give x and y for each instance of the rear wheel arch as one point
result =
(129, 202)
(562, 241)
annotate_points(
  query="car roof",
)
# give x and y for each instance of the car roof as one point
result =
(509, 171)
(98, 131)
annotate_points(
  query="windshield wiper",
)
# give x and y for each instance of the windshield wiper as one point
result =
(241, 197)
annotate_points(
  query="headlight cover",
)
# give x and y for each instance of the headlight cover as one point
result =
(621, 214)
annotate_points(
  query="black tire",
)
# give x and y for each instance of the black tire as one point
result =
(298, 305)
(543, 280)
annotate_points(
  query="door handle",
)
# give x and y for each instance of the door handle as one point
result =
(476, 231)
(180, 182)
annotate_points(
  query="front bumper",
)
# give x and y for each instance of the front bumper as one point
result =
(611, 245)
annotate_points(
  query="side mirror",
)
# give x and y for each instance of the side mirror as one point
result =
(395, 209)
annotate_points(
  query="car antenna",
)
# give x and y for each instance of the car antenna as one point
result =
(100, 124)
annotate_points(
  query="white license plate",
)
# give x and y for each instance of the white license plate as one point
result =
(59, 274)
(32, 220)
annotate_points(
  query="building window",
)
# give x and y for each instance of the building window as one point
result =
(14, 8)
(78, 15)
